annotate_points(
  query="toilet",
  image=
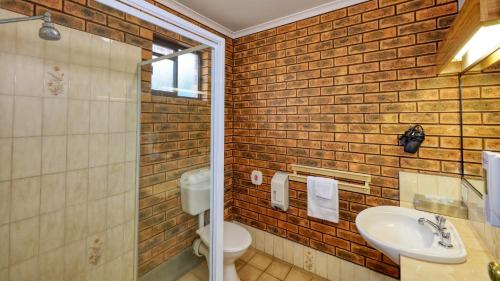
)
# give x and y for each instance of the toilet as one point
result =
(195, 200)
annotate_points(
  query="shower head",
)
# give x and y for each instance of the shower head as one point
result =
(48, 30)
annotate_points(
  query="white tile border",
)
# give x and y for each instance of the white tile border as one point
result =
(427, 184)
(322, 264)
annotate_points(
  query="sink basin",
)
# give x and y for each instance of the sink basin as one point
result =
(395, 231)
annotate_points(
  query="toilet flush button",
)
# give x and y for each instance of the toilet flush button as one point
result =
(256, 177)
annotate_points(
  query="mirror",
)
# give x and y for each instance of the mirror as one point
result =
(480, 121)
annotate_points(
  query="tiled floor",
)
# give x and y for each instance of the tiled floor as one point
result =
(257, 266)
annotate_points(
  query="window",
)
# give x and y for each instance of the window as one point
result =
(178, 76)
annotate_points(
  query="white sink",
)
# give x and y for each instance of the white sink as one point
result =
(395, 231)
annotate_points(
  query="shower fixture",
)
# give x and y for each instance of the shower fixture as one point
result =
(46, 32)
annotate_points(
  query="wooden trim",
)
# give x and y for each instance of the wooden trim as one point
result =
(473, 15)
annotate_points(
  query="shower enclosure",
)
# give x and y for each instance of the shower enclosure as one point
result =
(93, 143)
(175, 134)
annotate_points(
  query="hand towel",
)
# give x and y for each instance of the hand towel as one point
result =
(319, 207)
(323, 187)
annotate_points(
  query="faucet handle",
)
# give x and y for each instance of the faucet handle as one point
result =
(446, 240)
(441, 221)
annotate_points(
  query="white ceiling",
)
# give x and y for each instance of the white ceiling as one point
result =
(237, 18)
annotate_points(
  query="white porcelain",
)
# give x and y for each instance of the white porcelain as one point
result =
(195, 197)
(395, 231)
(195, 191)
(236, 242)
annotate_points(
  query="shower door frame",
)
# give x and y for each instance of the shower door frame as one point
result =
(157, 16)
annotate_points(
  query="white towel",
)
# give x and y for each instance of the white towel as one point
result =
(323, 187)
(318, 206)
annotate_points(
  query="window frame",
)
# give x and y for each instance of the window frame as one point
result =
(176, 48)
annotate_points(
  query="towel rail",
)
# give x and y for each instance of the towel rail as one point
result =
(349, 181)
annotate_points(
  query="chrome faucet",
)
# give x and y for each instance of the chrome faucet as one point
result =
(440, 227)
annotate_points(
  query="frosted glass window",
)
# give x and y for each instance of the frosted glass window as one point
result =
(177, 76)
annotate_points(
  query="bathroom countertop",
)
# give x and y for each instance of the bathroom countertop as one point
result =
(473, 269)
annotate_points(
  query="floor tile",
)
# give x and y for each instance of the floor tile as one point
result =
(279, 269)
(267, 277)
(298, 275)
(239, 264)
(201, 271)
(261, 261)
(248, 255)
(249, 273)
(188, 277)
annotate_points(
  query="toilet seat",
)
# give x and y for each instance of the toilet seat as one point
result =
(236, 238)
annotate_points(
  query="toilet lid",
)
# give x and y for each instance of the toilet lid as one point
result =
(236, 238)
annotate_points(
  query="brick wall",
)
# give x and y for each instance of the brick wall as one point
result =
(175, 134)
(335, 91)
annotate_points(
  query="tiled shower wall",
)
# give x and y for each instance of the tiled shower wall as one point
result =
(67, 155)
(157, 228)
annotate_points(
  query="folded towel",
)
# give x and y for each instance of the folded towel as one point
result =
(323, 187)
(318, 206)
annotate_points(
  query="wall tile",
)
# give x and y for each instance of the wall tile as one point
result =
(56, 81)
(6, 115)
(117, 117)
(75, 259)
(115, 210)
(8, 70)
(5, 195)
(66, 206)
(78, 117)
(80, 47)
(28, 42)
(24, 241)
(80, 83)
(116, 148)
(51, 231)
(54, 154)
(27, 125)
(8, 32)
(53, 192)
(98, 182)
(100, 84)
(5, 158)
(59, 50)
(25, 271)
(27, 154)
(75, 230)
(50, 265)
(76, 187)
(98, 150)
(100, 51)
(54, 116)
(427, 184)
(78, 152)
(25, 198)
(29, 68)
(97, 216)
(99, 116)
(118, 86)
(408, 185)
(4, 250)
